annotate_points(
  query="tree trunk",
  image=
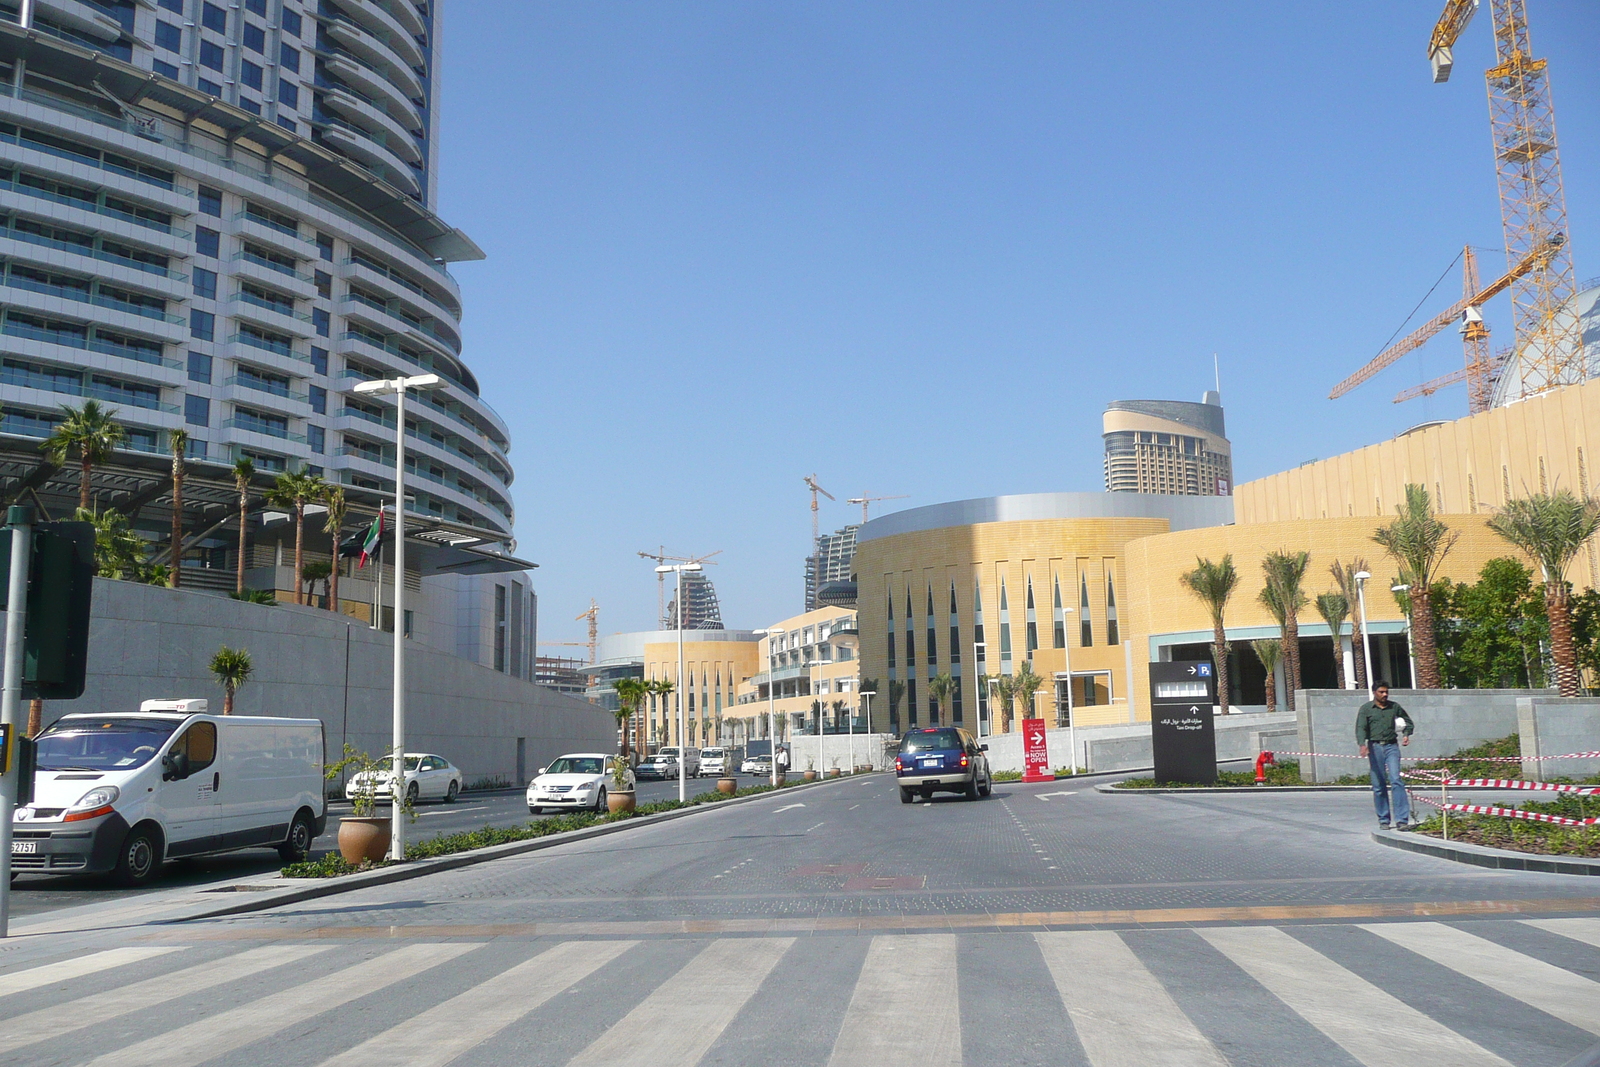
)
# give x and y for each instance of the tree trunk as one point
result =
(1358, 650)
(333, 581)
(1426, 652)
(175, 579)
(1272, 691)
(299, 551)
(244, 516)
(1291, 655)
(1219, 655)
(227, 700)
(87, 468)
(35, 717)
(1569, 678)
(1338, 657)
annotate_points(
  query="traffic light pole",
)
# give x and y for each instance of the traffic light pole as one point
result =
(20, 519)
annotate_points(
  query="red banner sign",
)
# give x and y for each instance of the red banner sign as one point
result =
(1035, 752)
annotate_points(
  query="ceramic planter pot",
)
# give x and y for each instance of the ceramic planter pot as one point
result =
(810, 776)
(363, 839)
(834, 772)
(619, 800)
(729, 786)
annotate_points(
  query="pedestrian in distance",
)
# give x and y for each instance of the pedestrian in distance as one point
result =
(1379, 725)
(783, 760)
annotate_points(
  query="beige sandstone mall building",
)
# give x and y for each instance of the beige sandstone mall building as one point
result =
(1086, 584)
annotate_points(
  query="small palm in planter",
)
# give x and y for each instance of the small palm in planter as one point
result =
(622, 796)
(364, 834)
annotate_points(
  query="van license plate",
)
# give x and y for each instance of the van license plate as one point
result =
(24, 848)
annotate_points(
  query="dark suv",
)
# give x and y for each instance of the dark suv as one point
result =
(942, 758)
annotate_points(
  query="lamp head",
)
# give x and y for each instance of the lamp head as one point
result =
(663, 569)
(382, 385)
(1362, 576)
(1400, 588)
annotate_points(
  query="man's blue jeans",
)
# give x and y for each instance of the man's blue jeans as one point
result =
(1384, 758)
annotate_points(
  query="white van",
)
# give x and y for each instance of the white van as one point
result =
(691, 760)
(121, 794)
(714, 761)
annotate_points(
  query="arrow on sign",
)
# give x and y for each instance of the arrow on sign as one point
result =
(1062, 793)
(786, 807)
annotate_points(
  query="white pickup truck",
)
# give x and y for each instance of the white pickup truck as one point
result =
(122, 793)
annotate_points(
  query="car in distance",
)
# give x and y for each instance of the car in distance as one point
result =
(428, 777)
(689, 756)
(714, 761)
(759, 765)
(648, 768)
(576, 780)
(942, 759)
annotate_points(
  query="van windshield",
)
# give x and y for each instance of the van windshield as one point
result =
(102, 744)
(931, 741)
(715, 753)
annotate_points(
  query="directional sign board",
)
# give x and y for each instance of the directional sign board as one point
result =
(1182, 734)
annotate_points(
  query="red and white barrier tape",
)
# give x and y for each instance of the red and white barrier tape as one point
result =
(1513, 783)
(1508, 813)
(1450, 759)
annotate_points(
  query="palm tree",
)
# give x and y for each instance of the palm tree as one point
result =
(1418, 541)
(1027, 683)
(1005, 687)
(1214, 584)
(663, 688)
(1551, 528)
(1334, 609)
(939, 688)
(1345, 578)
(243, 473)
(178, 441)
(295, 490)
(92, 433)
(630, 694)
(118, 551)
(333, 497)
(318, 570)
(896, 691)
(231, 667)
(1285, 571)
(1270, 652)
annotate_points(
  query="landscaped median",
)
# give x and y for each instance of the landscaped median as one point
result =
(333, 865)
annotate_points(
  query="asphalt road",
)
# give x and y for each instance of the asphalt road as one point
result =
(32, 894)
(836, 926)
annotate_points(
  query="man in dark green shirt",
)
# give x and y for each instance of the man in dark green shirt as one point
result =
(1379, 723)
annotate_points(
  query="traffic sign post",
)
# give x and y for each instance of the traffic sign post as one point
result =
(20, 519)
(1182, 735)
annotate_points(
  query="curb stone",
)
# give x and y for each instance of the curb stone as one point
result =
(1482, 856)
(1205, 790)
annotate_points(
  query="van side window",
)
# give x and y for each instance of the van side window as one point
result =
(196, 749)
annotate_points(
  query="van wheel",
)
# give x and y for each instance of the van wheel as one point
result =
(453, 792)
(905, 796)
(296, 848)
(139, 858)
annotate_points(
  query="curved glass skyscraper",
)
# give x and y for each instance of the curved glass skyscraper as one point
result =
(219, 215)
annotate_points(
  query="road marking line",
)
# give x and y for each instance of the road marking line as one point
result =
(1551, 989)
(66, 970)
(454, 1027)
(852, 807)
(1585, 930)
(903, 978)
(787, 807)
(1062, 793)
(229, 1030)
(1124, 1016)
(93, 1010)
(1370, 1024)
(820, 824)
(677, 1023)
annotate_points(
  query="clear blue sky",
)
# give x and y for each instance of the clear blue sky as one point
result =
(916, 247)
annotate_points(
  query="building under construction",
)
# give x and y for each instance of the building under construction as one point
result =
(702, 612)
(831, 560)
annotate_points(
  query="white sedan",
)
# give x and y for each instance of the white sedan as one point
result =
(576, 780)
(428, 777)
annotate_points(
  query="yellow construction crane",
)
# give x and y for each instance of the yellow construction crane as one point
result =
(1533, 210)
(1417, 338)
(661, 558)
(811, 484)
(593, 615)
(864, 500)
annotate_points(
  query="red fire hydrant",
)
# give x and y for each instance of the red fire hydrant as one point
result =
(1263, 761)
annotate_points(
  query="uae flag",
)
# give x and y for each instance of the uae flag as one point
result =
(369, 546)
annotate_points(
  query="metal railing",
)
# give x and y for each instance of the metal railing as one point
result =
(91, 252)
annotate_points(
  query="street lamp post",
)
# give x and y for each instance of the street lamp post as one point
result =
(1072, 715)
(978, 695)
(399, 387)
(1411, 655)
(1366, 635)
(683, 755)
(772, 633)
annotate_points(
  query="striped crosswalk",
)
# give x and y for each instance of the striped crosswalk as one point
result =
(1113, 999)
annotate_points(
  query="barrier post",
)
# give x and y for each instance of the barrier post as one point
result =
(1444, 798)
